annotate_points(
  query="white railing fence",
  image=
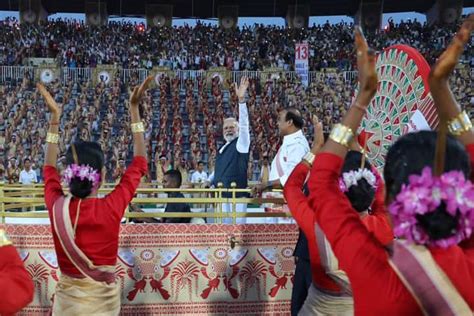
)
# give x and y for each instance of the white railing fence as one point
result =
(8, 73)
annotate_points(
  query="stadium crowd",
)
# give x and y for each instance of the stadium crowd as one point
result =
(185, 121)
(131, 45)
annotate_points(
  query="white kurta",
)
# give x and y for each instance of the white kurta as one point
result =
(291, 152)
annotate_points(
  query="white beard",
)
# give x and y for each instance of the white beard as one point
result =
(229, 138)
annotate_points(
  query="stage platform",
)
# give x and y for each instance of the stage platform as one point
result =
(180, 269)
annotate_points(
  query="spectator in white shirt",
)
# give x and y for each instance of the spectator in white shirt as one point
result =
(199, 176)
(28, 175)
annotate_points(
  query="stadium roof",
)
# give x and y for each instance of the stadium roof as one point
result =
(208, 8)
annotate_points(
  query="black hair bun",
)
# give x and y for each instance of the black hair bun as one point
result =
(361, 195)
(80, 188)
(438, 224)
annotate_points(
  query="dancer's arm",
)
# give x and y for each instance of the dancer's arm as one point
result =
(443, 97)
(52, 139)
(139, 147)
(123, 193)
(368, 87)
(334, 213)
(52, 182)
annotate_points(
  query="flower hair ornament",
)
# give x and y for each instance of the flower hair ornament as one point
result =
(351, 178)
(80, 171)
(424, 194)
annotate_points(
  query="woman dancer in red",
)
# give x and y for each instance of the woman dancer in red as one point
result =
(15, 281)
(430, 269)
(86, 228)
(331, 293)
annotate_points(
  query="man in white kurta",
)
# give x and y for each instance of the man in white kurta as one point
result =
(294, 147)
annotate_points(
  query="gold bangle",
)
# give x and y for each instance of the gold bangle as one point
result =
(341, 134)
(52, 138)
(3, 239)
(309, 158)
(138, 127)
(460, 124)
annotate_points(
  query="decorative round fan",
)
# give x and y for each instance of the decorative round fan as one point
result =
(46, 76)
(402, 103)
(104, 77)
(218, 75)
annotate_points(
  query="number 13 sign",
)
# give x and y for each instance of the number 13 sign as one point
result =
(301, 51)
(301, 61)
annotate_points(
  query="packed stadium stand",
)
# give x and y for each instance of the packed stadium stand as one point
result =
(183, 113)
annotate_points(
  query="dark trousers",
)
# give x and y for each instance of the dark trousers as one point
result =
(302, 282)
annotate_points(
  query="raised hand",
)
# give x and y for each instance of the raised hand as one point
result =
(446, 105)
(241, 89)
(365, 65)
(52, 105)
(318, 138)
(138, 92)
(450, 57)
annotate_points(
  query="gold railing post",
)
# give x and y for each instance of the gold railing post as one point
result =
(33, 207)
(220, 185)
(233, 185)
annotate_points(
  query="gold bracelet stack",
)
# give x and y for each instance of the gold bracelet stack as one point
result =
(309, 158)
(460, 124)
(138, 127)
(52, 138)
(341, 134)
(3, 239)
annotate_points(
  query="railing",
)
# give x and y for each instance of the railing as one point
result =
(15, 73)
(83, 74)
(15, 197)
(75, 74)
(194, 75)
(127, 74)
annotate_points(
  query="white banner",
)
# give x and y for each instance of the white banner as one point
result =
(301, 62)
(417, 123)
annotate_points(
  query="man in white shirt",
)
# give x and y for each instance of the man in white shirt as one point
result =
(199, 176)
(232, 159)
(292, 150)
(28, 175)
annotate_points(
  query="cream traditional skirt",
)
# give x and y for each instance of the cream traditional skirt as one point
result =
(85, 297)
(321, 303)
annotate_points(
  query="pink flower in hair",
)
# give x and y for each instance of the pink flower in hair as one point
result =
(424, 194)
(83, 172)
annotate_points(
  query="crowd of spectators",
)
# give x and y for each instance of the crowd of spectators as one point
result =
(183, 122)
(130, 45)
(183, 126)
